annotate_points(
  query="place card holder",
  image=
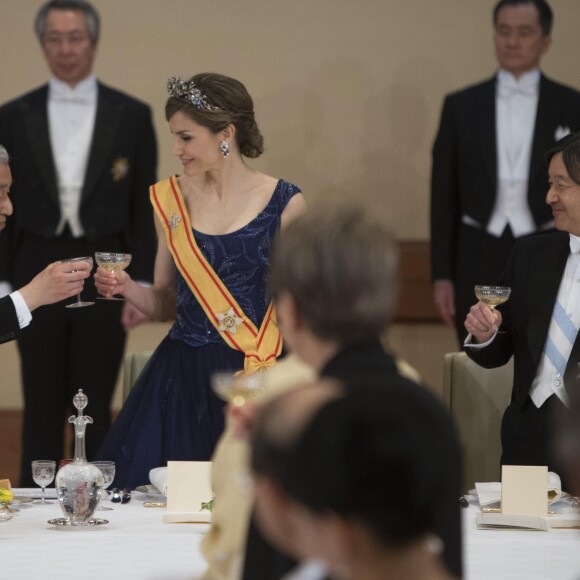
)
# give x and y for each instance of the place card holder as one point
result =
(188, 486)
(524, 490)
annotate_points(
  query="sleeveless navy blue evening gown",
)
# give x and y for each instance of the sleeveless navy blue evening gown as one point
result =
(172, 412)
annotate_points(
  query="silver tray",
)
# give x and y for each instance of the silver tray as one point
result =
(66, 522)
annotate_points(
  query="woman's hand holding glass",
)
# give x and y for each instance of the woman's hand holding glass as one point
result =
(110, 282)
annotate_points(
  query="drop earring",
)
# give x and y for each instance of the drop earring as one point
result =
(224, 148)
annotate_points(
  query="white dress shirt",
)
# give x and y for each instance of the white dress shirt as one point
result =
(23, 313)
(549, 380)
(71, 118)
(516, 103)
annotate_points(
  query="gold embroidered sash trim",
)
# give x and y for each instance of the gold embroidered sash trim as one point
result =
(260, 346)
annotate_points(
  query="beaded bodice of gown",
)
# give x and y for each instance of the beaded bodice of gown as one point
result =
(241, 261)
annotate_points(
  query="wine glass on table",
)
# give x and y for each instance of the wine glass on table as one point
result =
(108, 470)
(112, 262)
(79, 303)
(43, 474)
(492, 296)
(236, 387)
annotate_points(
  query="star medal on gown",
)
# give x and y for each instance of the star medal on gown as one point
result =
(173, 221)
(229, 321)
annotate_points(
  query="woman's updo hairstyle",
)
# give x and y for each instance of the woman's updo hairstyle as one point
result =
(223, 100)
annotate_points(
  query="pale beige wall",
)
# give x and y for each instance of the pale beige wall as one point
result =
(347, 93)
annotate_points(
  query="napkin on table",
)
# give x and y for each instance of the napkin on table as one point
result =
(158, 478)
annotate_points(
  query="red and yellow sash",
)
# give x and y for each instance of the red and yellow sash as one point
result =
(260, 346)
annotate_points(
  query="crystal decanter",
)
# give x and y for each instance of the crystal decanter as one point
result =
(79, 484)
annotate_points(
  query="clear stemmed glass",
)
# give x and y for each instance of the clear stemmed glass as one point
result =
(112, 261)
(492, 296)
(43, 474)
(79, 303)
(108, 470)
(237, 388)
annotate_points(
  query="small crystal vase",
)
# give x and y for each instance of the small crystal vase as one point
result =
(79, 484)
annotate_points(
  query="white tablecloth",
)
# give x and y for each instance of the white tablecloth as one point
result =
(511, 554)
(137, 545)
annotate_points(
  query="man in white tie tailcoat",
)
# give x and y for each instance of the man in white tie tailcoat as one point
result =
(539, 323)
(83, 157)
(489, 176)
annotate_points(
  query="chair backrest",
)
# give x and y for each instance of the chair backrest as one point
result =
(477, 399)
(134, 364)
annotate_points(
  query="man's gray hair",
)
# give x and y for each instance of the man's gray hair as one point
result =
(340, 264)
(91, 16)
(4, 157)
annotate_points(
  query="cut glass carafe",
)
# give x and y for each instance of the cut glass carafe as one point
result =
(79, 484)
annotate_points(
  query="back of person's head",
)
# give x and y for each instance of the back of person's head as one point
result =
(280, 422)
(222, 101)
(386, 456)
(89, 11)
(569, 147)
(339, 264)
(545, 13)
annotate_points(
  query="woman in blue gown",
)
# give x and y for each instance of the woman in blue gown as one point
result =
(227, 215)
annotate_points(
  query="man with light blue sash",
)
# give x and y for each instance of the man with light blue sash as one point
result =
(539, 324)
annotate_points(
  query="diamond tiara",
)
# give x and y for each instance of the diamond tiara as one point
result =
(188, 92)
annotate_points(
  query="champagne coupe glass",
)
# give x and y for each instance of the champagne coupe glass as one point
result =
(79, 303)
(43, 474)
(108, 470)
(237, 388)
(112, 261)
(492, 296)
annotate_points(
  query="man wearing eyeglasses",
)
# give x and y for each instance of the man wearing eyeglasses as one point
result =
(83, 157)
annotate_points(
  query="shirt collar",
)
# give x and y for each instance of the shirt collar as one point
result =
(527, 83)
(85, 91)
(574, 244)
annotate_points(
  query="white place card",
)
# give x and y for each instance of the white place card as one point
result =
(188, 486)
(524, 490)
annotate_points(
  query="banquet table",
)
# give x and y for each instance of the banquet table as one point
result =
(136, 544)
(521, 555)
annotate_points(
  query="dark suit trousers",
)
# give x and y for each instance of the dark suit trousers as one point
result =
(63, 350)
(527, 434)
(481, 259)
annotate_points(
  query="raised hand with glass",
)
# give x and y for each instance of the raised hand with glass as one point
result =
(79, 303)
(112, 262)
(492, 296)
(236, 387)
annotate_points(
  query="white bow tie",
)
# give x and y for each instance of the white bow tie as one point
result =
(507, 88)
(62, 96)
